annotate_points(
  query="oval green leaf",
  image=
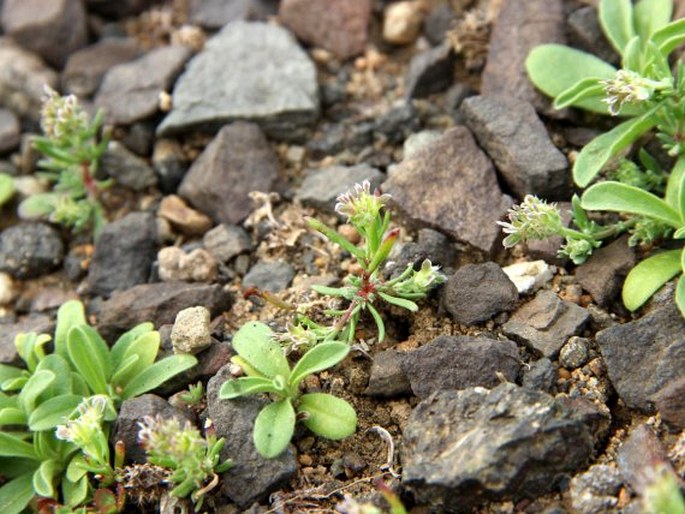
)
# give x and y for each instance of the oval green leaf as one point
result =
(400, 302)
(12, 416)
(652, 15)
(34, 387)
(327, 415)
(16, 494)
(54, 411)
(648, 276)
(616, 20)
(273, 428)
(44, 477)
(322, 356)
(12, 446)
(254, 342)
(6, 188)
(581, 90)
(157, 374)
(90, 356)
(245, 385)
(120, 347)
(70, 314)
(670, 37)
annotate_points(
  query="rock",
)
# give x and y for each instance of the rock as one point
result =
(519, 28)
(462, 448)
(541, 375)
(645, 355)
(22, 80)
(603, 273)
(639, 458)
(402, 22)
(574, 353)
(595, 490)
(670, 402)
(530, 276)
(226, 241)
(249, 71)
(438, 21)
(120, 8)
(336, 25)
(132, 412)
(130, 92)
(126, 168)
(158, 303)
(253, 477)
(459, 362)
(197, 265)
(431, 245)
(545, 323)
(586, 33)
(398, 123)
(170, 164)
(7, 292)
(85, 68)
(512, 135)
(186, 220)
(215, 14)
(191, 333)
(320, 188)
(269, 276)
(334, 138)
(430, 71)
(237, 161)
(30, 249)
(387, 378)
(53, 29)
(476, 292)
(40, 324)
(123, 255)
(462, 198)
(10, 131)
(419, 140)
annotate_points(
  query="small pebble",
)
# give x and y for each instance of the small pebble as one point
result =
(574, 353)
(191, 333)
(402, 22)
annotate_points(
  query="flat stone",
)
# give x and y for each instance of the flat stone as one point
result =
(462, 198)
(191, 332)
(198, 265)
(529, 276)
(227, 241)
(545, 323)
(186, 220)
(214, 14)
(386, 378)
(336, 25)
(30, 249)
(248, 71)
(511, 133)
(10, 131)
(430, 71)
(126, 168)
(52, 29)
(459, 362)
(541, 375)
(40, 324)
(645, 355)
(269, 276)
(237, 161)
(130, 92)
(463, 448)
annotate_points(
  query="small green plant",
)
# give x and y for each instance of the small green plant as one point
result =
(6, 188)
(194, 394)
(662, 495)
(192, 460)
(72, 156)
(263, 361)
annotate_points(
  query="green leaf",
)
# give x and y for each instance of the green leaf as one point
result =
(6, 188)
(322, 356)
(400, 302)
(70, 314)
(652, 15)
(680, 295)
(157, 374)
(273, 428)
(13, 446)
(77, 467)
(38, 206)
(618, 197)
(244, 386)
(336, 238)
(616, 20)
(126, 340)
(16, 494)
(581, 90)
(62, 370)
(379, 322)
(333, 291)
(554, 69)
(648, 276)
(75, 493)
(90, 356)
(52, 412)
(13, 416)
(327, 415)
(8, 372)
(670, 37)
(145, 347)
(124, 371)
(43, 479)
(674, 186)
(597, 152)
(254, 342)
(35, 385)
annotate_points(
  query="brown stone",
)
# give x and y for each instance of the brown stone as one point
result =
(186, 219)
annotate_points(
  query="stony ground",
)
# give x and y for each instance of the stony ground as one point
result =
(522, 384)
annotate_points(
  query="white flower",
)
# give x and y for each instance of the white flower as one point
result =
(359, 205)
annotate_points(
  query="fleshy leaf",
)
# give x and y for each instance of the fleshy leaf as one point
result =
(670, 37)
(157, 374)
(581, 90)
(322, 356)
(243, 386)
(16, 494)
(680, 295)
(52, 412)
(273, 428)
(616, 20)
(44, 477)
(34, 387)
(12, 446)
(652, 15)
(648, 276)
(254, 342)
(70, 314)
(327, 415)
(90, 356)
(6, 188)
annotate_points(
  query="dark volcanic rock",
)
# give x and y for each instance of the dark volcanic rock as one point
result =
(8, 331)
(127, 168)
(387, 378)
(430, 71)
(10, 131)
(540, 375)
(214, 14)
(269, 276)
(586, 33)
(119, 8)
(670, 402)
(226, 241)
(30, 249)
(596, 489)
(458, 362)
(462, 448)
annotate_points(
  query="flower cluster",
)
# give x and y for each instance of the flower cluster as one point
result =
(86, 431)
(630, 87)
(532, 219)
(360, 206)
(61, 116)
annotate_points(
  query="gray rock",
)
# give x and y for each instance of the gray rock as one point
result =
(85, 68)
(248, 71)
(30, 249)
(437, 22)
(603, 273)
(52, 29)
(431, 245)
(191, 333)
(586, 33)
(541, 375)
(39, 324)
(119, 8)
(387, 378)
(10, 131)
(418, 140)
(226, 241)
(398, 123)
(476, 292)
(574, 353)
(269, 276)
(430, 71)
(124, 254)
(170, 164)
(462, 448)
(158, 303)
(321, 187)
(545, 323)
(126, 168)
(670, 402)
(513, 136)
(214, 14)
(640, 456)
(253, 477)
(237, 161)
(130, 92)
(175, 264)
(459, 362)
(462, 198)
(645, 355)
(336, 25)
(22, 80)
(520, 27)
(595, 491)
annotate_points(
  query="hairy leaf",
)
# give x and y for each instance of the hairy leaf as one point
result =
(652, 15)
(16, 494)
(254, 342)
(322, 356)
(670, 37)
(616, 20)
(44, 477)
(34, 387)
(90, 356)
(400, 302)
(273, 428)
(70, 314)
(581, 90)
(245, 385)
(327, 415)
(13, 446)
(648, 276)
(52, 412)
(157, 374)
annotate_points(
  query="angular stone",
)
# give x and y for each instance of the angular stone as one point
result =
(226, 241)
(191, 333)
(10, 131)
(336, 25)
(130, 92)
(52, 29)
(541, 375)
(198, 265)
(431, 245)
(462, 448)
(248, 71)
(386, 378)
(461, 199)
(545, 323)
(459, 362)
(170, 164)
(513, 136)
(645, 355)
(670, 402)
(476, 292)
(186, 220)
(269, 276)
(640, 456)
(39, 324)
(126, 168)
(30, 249)
(596, 489)
(438, 21)
(237, 161)
(215, 14)
(430, 71)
